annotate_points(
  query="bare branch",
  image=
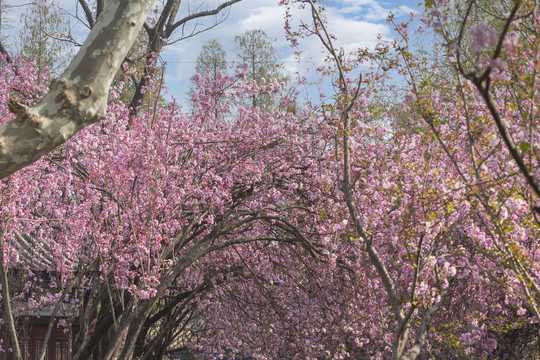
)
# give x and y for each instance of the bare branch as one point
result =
(216, 11)
(168, 12)
(8, 313)
(87, 13)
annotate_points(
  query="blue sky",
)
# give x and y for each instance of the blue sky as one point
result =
(356, 23)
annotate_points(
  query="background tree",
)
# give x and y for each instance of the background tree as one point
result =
(176, 20)
(44, 36)
(168, 28)
(211, 60)
(256, 49)
(3, 9)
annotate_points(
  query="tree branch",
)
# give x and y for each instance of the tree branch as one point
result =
(79, 97)
(8, 313)
(87, 13)
(507, 138)
(4, 52)
(421, 332)
(170, 28)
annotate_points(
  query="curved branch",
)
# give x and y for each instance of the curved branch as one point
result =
(170, 28)
(87, 13)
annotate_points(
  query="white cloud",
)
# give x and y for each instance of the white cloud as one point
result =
(352, 33)
(353, 26)
(407, 10)
(269, 19)
(372, 10)
(356, 23)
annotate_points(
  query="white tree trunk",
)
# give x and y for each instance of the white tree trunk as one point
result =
(79, 97)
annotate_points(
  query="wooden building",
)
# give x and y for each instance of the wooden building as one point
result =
(32, 325)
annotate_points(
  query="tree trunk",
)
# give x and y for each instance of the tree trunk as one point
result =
(8, 313)
(79, 97)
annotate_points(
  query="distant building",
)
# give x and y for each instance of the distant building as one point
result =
(32, 324)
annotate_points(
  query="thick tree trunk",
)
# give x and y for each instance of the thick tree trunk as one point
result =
(79, 97)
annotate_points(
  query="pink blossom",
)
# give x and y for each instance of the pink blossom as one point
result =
(482, 37)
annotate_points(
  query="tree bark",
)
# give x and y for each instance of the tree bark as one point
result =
(160, 34)
(79, 97)
(8, 314)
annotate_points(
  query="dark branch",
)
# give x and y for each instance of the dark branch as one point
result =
(216, 11)
(4, 52)
(87, 13)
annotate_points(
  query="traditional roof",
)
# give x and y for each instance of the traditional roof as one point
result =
(36, 254)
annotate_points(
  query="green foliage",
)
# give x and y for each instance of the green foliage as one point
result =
(45, 36)
(211, 59)
(255, 48)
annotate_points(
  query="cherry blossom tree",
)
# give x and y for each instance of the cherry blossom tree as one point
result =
(75, 100)
(445, 240)
(133, 220)
(354, 229)
(492, 59)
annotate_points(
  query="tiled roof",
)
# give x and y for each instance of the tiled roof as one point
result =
(36, 254)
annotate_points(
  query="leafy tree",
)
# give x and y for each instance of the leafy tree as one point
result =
(3, 8)
(45, 36)
(212, 60)
(255, 49)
